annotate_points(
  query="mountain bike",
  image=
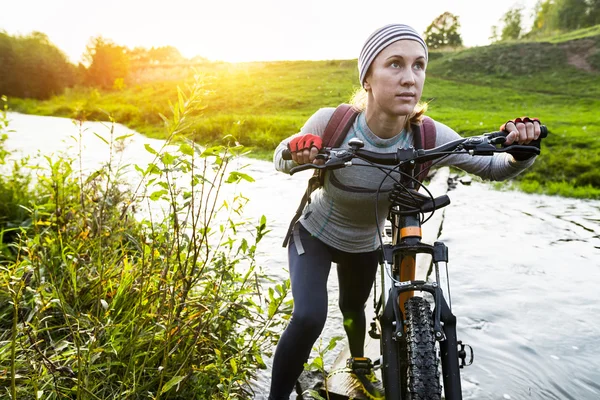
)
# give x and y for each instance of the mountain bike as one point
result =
(410, 330)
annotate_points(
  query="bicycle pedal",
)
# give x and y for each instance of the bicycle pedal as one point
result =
(355, 363)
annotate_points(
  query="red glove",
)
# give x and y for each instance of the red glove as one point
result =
(517, 120)
(305, 142)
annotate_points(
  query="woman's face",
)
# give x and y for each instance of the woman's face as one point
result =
(395, 79)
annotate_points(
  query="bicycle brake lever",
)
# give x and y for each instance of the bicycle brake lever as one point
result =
(335, 160)
(304, 167)
(498, 140)
(520, 148)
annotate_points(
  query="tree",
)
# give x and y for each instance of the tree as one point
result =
(565, 15)
(512, 24)
(141, 56)
(571, 14)
(31, 66)
(593, 13)
(108, 63)
(444, 32)
(545, 16)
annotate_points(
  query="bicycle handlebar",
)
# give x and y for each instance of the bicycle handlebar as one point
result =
(475, 145)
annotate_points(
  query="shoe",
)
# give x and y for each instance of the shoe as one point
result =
(362, 369)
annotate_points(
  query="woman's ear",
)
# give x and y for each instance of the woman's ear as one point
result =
(367, 85)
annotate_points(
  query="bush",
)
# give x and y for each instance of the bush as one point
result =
(97, 304)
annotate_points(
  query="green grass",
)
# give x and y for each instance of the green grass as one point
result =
(472, 90)
(554, 68)
(578, 34)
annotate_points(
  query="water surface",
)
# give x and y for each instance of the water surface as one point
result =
(524, 269)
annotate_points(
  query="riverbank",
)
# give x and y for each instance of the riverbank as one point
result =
(260, 103)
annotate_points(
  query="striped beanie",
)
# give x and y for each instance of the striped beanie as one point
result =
(382, 38)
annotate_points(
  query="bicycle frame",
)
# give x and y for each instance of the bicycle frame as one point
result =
(398, 285)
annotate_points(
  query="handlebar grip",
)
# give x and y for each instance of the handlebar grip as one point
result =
(286, 154)
(543, 132)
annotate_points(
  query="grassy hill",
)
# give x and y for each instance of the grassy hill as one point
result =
(473, 91)
(559, 67)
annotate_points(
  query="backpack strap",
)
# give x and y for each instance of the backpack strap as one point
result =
(335, 131)
(424, 138)
(339, 124)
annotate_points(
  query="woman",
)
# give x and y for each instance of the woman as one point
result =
(339, 225)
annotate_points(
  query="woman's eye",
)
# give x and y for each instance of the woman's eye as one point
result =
(419, 66)
(395, 65)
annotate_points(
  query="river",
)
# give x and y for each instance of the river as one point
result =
(524, 269)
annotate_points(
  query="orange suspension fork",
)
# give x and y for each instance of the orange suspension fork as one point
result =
(410, 232)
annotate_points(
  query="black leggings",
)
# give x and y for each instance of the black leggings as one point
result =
(308, 276)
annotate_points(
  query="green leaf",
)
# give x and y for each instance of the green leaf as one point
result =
(212, 151)
(233, 365)
(313, 393)
(123, 137)
(260, 361)
(236, 176)
(168, 159)
(319, 363)
(333, 342)
(186, 149)
(172, 382)
(158, 194)
(101, 138)
(149, 149)
(244, 245)
(153, 169)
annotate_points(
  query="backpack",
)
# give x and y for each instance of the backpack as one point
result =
(336, 130)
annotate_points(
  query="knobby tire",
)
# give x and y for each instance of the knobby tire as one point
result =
(423, 375)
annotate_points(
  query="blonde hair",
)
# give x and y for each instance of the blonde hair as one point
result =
(360, 101)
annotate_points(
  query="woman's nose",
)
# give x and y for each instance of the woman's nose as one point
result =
(407, 78)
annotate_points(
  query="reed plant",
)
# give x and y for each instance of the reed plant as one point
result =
(110, 290)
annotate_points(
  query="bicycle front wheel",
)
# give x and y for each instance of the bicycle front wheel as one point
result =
(422, 375)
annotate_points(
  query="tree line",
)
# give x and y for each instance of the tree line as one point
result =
(549, 17)
(33, 67)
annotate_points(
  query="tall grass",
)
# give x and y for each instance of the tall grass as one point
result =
(104, 297)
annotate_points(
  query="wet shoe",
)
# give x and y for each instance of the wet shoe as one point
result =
(362, 370)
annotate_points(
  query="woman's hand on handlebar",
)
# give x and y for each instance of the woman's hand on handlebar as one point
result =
(304, 149)
(522, 130)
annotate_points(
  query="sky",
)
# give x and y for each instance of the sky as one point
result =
(238, 30)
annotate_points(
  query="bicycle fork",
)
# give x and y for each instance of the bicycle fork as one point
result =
(444, 323)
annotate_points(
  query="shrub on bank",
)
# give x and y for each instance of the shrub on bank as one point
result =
(97, 302)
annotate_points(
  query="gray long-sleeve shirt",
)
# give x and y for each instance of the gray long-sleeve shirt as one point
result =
(342, 212)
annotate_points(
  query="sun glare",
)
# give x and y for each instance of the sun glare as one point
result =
(237, 30)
